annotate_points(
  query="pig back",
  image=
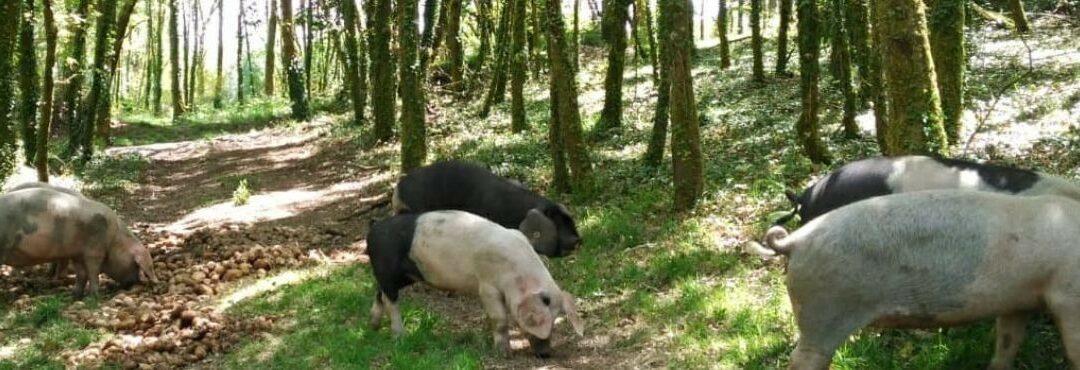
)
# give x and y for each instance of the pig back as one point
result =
(42, 225)
(457, 185)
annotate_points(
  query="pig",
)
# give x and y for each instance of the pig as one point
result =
(36, 184)
(459, 251)
(458, 185)
(878, 176)
(42, 224)
(932, 259)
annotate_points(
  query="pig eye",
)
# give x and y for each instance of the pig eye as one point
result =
(544, 298)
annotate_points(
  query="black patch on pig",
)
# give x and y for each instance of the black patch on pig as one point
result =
(388, 244)
(1010, 179)
(464, 186)
(60, 229)
(98, 226)
(850, 183)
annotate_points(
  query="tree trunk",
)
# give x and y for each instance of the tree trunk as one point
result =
(174, 61)
(577, 35)
(186, 74)
(654, 154)
(518, 122)
(454, 49)
(271, 58)
(497, 91)
(782, 38)
(440, 35)
(240, 96)
(807, 129)
(413, 137)
(857, 16)
(1016, 10)
(193, 70)
(616, 14)
(946, 22)
(876, 82)
(566, 95)
(104, 109)
(382, 71)
(28, 81)
(915, 125)
(483, 23)
(219, 82)
(96, 101)
(41, 159)
(842, 53)
(686, 156)
(650, 37)
(352, 60)
(9, 32)
(151, 34)
(427, 40)
(756, 41)
(293, 65)
(308, 41)
(74, 75)
(740, 11)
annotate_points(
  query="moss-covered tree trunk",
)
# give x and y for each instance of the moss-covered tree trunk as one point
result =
(41, 156)
(844, 78)
(9, 32)
(722, 27)
(915, 125)
(240, 72)
(570, 139)
(174, 60)
(159, 61)
(413, 137)
(654, 154)
(427, 39)
(28, 81)
(454, 49)
(857, 23)
(66, 111)
(496, 92)
(357, 90)
(518, 121)
(808, 128)
(782, 37)
(383, 81)
(294, 68)
(103, 122)
(96, 101)
(946, 23)
(613, 27)
(1016, 10)
(271, 39)
(757, 41)
(484, 32)
(219, 83)
(645, 12)
(686, 158)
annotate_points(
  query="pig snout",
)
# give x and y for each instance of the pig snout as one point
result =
(540, 347)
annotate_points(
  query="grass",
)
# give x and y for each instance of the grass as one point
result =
(142, 128)
(37, 334)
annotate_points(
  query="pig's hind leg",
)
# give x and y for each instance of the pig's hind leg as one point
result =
(1010, 334)
(377, 310)
(822, 329)
(1064, 304)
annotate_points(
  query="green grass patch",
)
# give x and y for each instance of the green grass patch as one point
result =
(143, 128)
(40, 334)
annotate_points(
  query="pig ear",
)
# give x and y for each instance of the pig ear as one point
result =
(539, 229)
(534, 316)
(570, 309)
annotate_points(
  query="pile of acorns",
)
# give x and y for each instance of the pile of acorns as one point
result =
(175, 322)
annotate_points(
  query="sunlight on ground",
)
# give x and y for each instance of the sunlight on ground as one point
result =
(271, 206)
(266, 285)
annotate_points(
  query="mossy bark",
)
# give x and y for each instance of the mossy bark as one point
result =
(240, 72)
(844, 78)
(876, 82)
(565, 91)
(413, 135)
(270, 60)
(455, 52)
(103, 116)
(496, 91)
(807, 130)
(382, 69)
(782, 37)
(294, 68)
(1019, 17)
(97, 100)
(41, 157)
(654, 154)
(857, 23)
(518, 121)
(427, 38)
(174, 61)
(946, 24)
(686, 157)
(721, 32)
(613, 27)
(8, 34)
(915, 119)
(28, 81)
(357, 89)
(757, 41)
(219, 83)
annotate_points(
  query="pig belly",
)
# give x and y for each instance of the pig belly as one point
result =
(38, 248)
(980, 301)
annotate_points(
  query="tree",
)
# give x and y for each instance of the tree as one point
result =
(686, 156)
(454, 49)
(104, 112)
(497, 90)
(756, 41)
(654, 154)
(568, 138)
(240, 53)
(807, 129)
(294, 69)
(158, 62)
(174, 60)
(915, 124)
(382, 71)
(8, 34)
(41, 159)
(413, 137)
(219, 83)
(616, 15)
(353, 65)
(96, 101)
(782, 38)
(842, 53)
(857, 23)
(517, 66)
(271, 38)
(1016, 10)
(74, 75)
(429, 39)
(28, 81)
(946, 23)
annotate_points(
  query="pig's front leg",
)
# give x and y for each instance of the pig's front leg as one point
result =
(492, 299)
(80, 280)
(92, 265)
(1010, 334)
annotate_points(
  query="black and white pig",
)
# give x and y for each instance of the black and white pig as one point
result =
(879, 176)
(932, 259)
(41, 225)
(460, 251)
(458, 185)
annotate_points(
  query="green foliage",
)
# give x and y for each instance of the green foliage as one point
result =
(40, 334)
(242, 193)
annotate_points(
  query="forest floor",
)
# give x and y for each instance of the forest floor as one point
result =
(280, 281)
